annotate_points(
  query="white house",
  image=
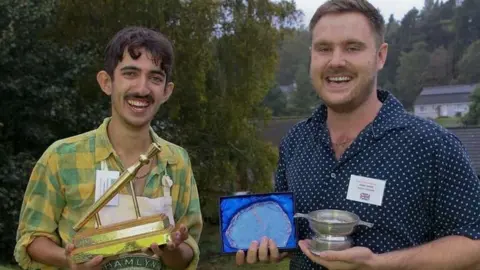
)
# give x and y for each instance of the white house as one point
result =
(444, 101)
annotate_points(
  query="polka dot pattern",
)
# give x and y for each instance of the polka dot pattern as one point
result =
(431, 188)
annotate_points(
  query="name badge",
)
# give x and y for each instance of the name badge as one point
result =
(104, 179)
(366, 190)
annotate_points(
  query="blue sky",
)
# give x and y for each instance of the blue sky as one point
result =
(387, 7)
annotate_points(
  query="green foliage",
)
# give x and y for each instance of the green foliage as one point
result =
(438, 71)
(469, 64)
(449, 36)
(472, 118)
(14, 174)
(277, 101)
(218, 79)
(39, 102)
(409, 80)
(305, 99)
(226, 61)
(239, 80)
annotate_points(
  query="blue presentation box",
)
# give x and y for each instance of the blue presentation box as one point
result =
(247, 218)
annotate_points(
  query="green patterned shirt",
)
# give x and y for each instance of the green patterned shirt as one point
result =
(62, 187)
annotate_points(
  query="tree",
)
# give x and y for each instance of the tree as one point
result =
(276, 100)
(466, 24)
(387, 74)
(226, 57)
(304, 99)
(472, 118)
(409, 80)
(409, 32)
(469, 65)
(294, 53)
(438, 71)
(39, 102)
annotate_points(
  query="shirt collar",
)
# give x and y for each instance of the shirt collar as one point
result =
(391, 115)
(104, 148)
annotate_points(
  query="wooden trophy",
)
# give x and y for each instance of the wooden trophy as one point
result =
(123, 237)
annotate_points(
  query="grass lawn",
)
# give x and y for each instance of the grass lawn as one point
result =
(210, 259)
(449, 121)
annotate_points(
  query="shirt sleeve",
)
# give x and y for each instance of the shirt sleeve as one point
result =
(188, 211)
(457, 191)
(41, 209)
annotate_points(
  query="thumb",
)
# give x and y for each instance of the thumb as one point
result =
(69, 248)
(94, 262)
(284, 255)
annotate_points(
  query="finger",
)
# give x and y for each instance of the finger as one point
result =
(97, 260)
(347, 255)
(171, 246)
(175, 237)
(178, 238)
(272, 247)
(327, 255)
(184, 234)
(263, 250)
(148, 251)
(183, 229)
(240, 257)
(68, 249)
(305, 247)
(354, 254)
(283, 255)
(156, 249)
(252, 252)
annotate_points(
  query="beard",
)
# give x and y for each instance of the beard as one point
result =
(355, 99)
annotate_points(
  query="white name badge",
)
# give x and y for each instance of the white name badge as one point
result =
(366, 190)
(104, 179)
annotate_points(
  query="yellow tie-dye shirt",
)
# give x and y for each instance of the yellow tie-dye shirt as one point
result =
(62, 187)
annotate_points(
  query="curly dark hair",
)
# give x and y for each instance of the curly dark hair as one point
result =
(134, 38)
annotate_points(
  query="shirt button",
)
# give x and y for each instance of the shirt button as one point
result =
(333, 175)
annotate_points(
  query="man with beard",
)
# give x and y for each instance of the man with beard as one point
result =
(137, 77)
(423, 195)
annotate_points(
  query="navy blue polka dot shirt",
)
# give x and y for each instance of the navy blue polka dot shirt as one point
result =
(431, 189)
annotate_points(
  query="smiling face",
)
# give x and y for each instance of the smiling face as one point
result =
(345, 60)
(137, 89)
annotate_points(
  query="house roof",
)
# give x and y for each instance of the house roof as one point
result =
(445, 94)
(469, 136)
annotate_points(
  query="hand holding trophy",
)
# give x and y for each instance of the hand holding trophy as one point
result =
(123, 237)
(94, 263)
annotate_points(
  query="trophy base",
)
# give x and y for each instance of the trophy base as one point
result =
(121, 238)
(321, 243)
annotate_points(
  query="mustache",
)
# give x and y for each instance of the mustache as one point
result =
(149, 98)
(337, 71)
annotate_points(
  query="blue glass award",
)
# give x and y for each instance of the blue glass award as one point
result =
(247, 218)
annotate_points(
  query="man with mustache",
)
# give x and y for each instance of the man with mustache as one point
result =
(65, 181)
(423, 196)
